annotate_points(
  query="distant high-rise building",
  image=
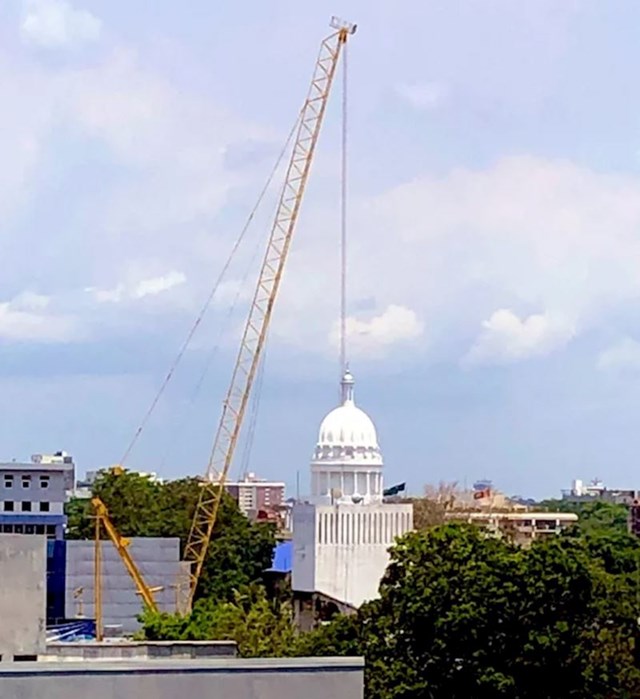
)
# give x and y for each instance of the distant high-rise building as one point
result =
(255, 495)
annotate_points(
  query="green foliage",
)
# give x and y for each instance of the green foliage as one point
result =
(259, 627)
(594, 515)
(239, 551)
(461, 614)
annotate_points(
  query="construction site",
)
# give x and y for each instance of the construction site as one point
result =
(94, 590)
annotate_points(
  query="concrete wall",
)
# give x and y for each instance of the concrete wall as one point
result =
(303, 578)
(158, 561)
(311, 678)
(342, 550)
(138, 651)
(23, 561)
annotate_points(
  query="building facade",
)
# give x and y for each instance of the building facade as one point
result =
(520, 527)
(596, 490)
(254, 495)
(342, 535)
(33, 494)
(159, 562)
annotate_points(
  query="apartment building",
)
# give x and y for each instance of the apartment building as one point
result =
(254, 495)
(520, 527)
(33, 494)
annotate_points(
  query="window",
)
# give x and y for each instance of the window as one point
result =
(26, 506)
(8, 506)
(29, 529)
(51, 530)
(19, 529)
(44, 481)
(8, 481)
(44, 507)
(26, 481)
(7, 528)
(39, 528)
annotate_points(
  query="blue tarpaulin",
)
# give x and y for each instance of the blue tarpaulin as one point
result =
(282, 558)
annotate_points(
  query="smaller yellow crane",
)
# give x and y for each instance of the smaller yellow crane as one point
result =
(121, 544)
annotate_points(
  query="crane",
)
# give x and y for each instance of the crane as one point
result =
(121, 544)
(257, 325)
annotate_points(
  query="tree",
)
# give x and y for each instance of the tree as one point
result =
(260, 627)
(461, 614)
(239, 552)
(597, 515)
(430, 510)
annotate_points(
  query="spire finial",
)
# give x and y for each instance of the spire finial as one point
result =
(347, 386)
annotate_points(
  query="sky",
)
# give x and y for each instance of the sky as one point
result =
(493, 234)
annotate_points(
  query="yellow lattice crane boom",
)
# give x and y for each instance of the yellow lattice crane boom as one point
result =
(121, 544)
(255, 331)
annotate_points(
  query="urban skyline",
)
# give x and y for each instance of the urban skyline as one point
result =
(493, 317)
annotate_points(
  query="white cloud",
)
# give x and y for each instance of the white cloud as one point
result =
(174, 143)
(524, 232)
(375, 337)
(30, 301)
(23, 320)
(506, 338)
(156, 285)
(56, 24)
(423, 96)
(139, 289)
(115, 295)
(625, 354)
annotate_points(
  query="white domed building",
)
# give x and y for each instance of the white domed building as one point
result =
(347, 462)
(342, 535)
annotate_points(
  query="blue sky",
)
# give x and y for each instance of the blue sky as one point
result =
(494, 233)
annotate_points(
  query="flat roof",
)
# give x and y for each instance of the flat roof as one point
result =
(31, 466)
(567, 516)
(156, 666)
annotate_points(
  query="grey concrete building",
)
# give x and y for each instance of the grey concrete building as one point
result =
(159, 562)
(22, 596)
(33, 494)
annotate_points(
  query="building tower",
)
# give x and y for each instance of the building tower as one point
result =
(342, 535)
(347, 462)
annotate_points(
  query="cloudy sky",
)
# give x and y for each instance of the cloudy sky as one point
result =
(494, 233)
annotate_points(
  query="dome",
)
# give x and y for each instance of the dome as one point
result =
(347, 433)
(348, 426)
(347, 462)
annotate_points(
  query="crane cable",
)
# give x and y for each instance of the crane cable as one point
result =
(207, 304)
(212, 354)
(255, 408)
(343, 224)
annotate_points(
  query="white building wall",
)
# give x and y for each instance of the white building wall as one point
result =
(342, 550)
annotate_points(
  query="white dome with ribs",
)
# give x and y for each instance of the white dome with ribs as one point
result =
(347, 457)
